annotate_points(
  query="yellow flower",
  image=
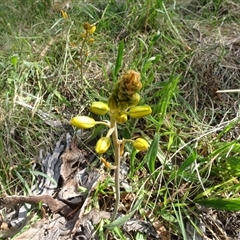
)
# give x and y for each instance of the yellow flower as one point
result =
(129, 83)
(140, 144)
(102, 145)
(90, 29)
(139, 111)
(134, 100)
(64, 14)
(99, 108)
(122, 118)
(83, 122)
(112, 103)
(124, 94)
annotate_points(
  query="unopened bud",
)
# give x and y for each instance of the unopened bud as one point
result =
(112, 103)
(122, 118)
(134, 100)
(99, 108)
(83, 122)
(139, 111)
(140, 144)
(90, 29)
(102, 145)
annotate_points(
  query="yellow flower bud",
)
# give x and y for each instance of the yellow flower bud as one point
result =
(122, 118)
(140, 144)
(64, 14)
(134, 100)
(102, 145)
(99, 108)
(90, 29)
(139, 111)
(83, 122)
(112, 103)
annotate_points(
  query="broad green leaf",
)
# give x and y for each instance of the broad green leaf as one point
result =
(232, 204)
(187, 162)
(119, 58)
(152, 152)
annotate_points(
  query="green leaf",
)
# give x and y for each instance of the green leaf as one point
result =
(166, 94)
(132, 161)
(187, 162)
(152, 152)
(232, 204)
(121, 220)
(214, 189)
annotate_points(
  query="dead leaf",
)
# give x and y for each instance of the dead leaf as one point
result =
(70, 157)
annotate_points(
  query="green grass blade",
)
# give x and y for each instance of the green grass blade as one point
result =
(36, 173)
(166, 94)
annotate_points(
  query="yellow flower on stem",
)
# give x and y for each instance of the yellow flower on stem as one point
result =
(140, 144)
(122, 118)
(139, 111)
(90, 29)
(99, 108)
(83, 122)
(64, 14)
(102, 145)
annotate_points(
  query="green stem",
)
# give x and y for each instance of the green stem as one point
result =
(116, 147)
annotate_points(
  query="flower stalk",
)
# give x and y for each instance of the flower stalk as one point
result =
(121, 104)
(117, 157)
(88, 31)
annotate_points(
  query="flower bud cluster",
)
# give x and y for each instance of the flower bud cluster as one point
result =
(121, 104)
(89, 30)
(125, 97)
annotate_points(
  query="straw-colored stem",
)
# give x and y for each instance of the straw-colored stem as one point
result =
(116, 147)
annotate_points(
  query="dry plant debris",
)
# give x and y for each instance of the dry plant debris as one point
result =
(63, 195)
